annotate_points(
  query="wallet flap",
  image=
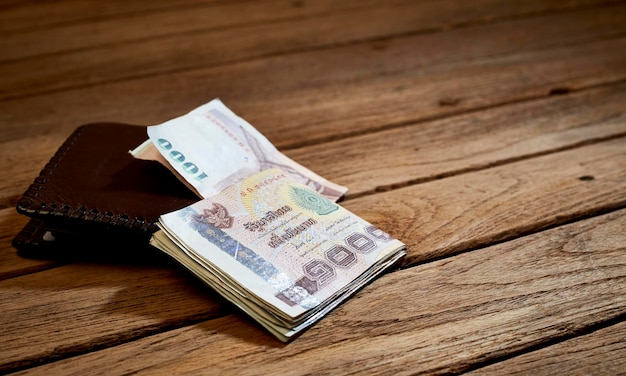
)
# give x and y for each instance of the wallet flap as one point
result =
(93, 184)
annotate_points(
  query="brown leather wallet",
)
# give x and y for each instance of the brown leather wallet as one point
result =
(93, 189)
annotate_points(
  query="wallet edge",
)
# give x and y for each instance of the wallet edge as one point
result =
(32, 206)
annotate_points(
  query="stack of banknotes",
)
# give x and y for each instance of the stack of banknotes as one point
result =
(267, 234)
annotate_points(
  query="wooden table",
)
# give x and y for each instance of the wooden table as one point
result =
(489, 136)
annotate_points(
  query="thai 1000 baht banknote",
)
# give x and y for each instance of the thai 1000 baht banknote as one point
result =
(280, 247)
(211, 148)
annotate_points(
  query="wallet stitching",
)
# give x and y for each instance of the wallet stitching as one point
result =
(31, 205)
(25, 238)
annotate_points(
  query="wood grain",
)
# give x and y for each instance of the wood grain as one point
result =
(25, 158)
(82, 307)
(11, 264)
(459, 144)
(468, 211)
(321, 95)
(602, 352)
(428, 150)
(489, 135)
(209, 46)
(197, 21)
(434, 219)
(23, 16)
(153, 22)
(439, 218)
(465, 310)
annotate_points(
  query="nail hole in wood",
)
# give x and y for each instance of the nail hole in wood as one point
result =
(560, 91)
(449, 101)
(586, 178)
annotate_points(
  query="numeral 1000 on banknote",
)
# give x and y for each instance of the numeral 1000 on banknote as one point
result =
(178, 157)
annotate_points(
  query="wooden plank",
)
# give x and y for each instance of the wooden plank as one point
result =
(22, 16)
(376, 102)
(11, 264)
(435, 219)
(602, 352)
(321, 95)
(24, 160)
(478, 306)
(452, 146)
(467, 211)
(184, 20)
(436, 318)
(27, 15)
(468, 142)
(99, 305)
(428, 150)
(197, 21)
(156, 56)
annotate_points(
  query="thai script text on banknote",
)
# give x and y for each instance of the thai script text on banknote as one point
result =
(286, 243)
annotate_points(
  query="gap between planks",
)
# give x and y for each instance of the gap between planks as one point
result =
(12, 92)
(277, 15)
(581, 118)
(570, 68)
(590, 107)
(487, 165)
(81, 15)
(436, 219)
(256, 13)
(556, 91)
(466, 311)
(601, 349)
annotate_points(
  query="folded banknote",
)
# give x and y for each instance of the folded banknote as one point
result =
(211, 148)
(277, 248)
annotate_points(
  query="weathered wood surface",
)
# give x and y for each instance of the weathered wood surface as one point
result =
(11, 264)
(295, 102)
(198, 21)
(434, 222)
(439, 317)
(469, 142)
(429, 150)
(207, 46)
(490, 136)
(601, 352)
(100, 305)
